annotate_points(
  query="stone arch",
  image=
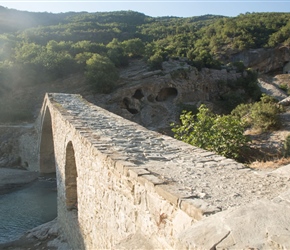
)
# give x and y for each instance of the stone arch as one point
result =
(166, 94)
(71, 195)
(47, 157)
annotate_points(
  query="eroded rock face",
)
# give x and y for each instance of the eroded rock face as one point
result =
(264, 60)
(155, 99)
(18, 147)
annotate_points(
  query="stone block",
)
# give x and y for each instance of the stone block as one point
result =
(191, 210)
(163, 191)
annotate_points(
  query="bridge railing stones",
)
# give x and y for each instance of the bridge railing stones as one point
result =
(192, 180)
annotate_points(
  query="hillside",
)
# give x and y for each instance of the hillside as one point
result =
(145, 69)
(37, 49)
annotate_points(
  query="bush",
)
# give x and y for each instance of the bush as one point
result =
(230, 100)
(240, 91)
(155, 61)
(262, 115)
(239, 66)
(187, 107)
(286, 145)
(101, 73)
(285, 87)
(221, 134)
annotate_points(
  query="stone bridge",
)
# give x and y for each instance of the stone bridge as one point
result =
(121, 186)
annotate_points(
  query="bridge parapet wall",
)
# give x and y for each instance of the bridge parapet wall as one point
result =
(131, 184)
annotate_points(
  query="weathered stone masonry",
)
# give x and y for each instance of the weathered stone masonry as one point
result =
(119, 182)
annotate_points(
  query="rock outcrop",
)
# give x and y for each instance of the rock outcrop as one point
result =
(155, 99)
(264, 60)
(18, 147)
(271, 89)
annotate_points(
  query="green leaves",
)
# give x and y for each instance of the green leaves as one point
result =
(101, 73)
(221, 134)
(262, 115)
(134, 47)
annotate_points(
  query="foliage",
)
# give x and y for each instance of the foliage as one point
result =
(101, 73)
(238, 66)
(243, 89)
(286, 146)
(155, 61)
(262, 115)
(185, 107)
(134, 47)
(284, 87)
(222, 134)
(116, 53)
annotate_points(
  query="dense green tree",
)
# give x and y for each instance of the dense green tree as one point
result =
(101, 73)
(134, 47)
(116, 53)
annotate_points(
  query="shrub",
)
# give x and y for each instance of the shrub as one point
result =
(221, 134)
(101, 73)
(262, 115)
(240, 91)
(187, 107)
(230, 100)
(155, 61)
(283, 87)
(286, 146)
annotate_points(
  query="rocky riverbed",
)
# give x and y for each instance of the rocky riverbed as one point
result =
(45, 237)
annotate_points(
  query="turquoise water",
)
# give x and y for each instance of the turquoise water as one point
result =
(27, 208)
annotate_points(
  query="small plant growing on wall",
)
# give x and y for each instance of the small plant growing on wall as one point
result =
(162, 219)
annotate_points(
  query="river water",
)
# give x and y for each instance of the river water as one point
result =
(27, 208)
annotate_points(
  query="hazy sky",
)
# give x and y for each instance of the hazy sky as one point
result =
(154, 8)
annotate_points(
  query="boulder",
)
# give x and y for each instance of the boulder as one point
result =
(239, 228)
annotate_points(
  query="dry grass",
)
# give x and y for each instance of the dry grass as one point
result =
(270, 164)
